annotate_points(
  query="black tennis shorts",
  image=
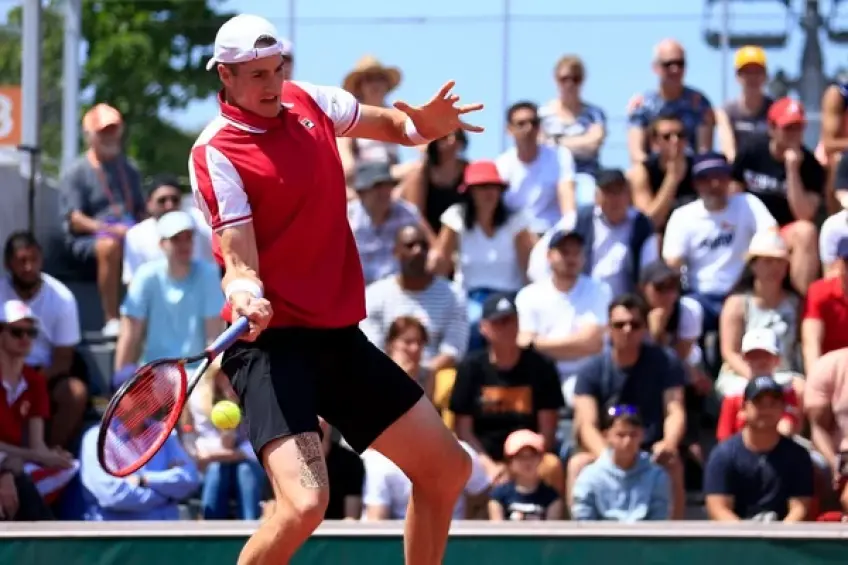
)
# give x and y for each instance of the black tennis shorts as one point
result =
(289, 376)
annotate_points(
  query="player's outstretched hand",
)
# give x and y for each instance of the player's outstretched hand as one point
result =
(257, 310)
(441, 115)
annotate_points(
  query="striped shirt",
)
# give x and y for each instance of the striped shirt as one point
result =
(376, 243)
(439, 307)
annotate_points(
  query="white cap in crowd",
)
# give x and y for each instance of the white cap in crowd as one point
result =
(760, 339)
(174, 222)
(14, 311)
(768, 243)
(235, 41)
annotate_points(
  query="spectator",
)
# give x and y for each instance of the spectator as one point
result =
(20, 500)
(152, 493)
(761, 354)
(834, 135)
(567, 121)
(662, 182)
(405, 342)
(620, 240)
(758, 474)
(540, 176)
(563, 317)
(375, 218)
(789, 180)
(762, 299)
(623, 484)
(711, 235)
(835, 227)
(101, 200)
(505, 388)
(53, 351)
(346, 475)
(142, 243)
(172, 307)
(492, 244)
(432, 185)
(524, 497)
(826, 312)
(692, 106)
(636, 373)
(744, 118)
(415, 292)
(370, 82)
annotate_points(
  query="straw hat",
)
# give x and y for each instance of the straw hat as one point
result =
(768, 243)
(370, 65)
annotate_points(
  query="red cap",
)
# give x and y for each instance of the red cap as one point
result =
(787, 112)
(481, 172)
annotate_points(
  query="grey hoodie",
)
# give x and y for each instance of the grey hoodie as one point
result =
(604, 491)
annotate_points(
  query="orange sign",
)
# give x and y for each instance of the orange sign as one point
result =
(10, 115)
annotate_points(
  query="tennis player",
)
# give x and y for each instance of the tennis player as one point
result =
(267, 174)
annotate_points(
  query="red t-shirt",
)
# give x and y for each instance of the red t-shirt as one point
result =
(826, 301)
(28, 400)
(731, 420)
(284, 174)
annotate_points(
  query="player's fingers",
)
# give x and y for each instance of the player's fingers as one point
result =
(402, 106)
(446, 88)
(470, 108)
(453, 98)
(471, 128)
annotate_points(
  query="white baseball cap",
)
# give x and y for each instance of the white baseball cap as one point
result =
(768, 243)
(174, 222)
(760, 339)
(14, 311)
(235, 41)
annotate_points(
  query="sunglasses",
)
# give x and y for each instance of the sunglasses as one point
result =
(165, 199)
(666, 286)
(19, 333)
(565, 79)
(673, 63)
(669, 135)
(622, 410)
(532, 122)
(633, 324)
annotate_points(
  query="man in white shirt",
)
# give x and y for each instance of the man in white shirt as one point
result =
(142, 243)
(54, 349)
(540, 177)
(564, 316)
(710, 236)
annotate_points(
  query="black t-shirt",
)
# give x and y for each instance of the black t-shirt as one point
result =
(641, 385)
(524, 505)
(346, 473)
(501, 402)
(841, 181)
(765, 176)
(759, 482)
(685, 190)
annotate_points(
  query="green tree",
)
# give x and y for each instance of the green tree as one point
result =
(142, 56)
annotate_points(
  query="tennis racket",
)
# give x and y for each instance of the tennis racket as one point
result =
(146, 408)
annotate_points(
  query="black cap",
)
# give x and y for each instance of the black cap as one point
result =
(561, 235)
(606, 178)
(369, 174)
(657, 271)
(499, 305)
(762, 385)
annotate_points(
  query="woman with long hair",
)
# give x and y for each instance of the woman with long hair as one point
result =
(405, 342)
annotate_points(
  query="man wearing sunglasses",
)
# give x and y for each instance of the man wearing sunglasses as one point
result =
(142, 243)
(691, 105)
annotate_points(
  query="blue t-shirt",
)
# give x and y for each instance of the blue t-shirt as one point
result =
(691, 107)
(555, 129)
(175, 310)
(641, 385)
(524, 505)
(759, 482)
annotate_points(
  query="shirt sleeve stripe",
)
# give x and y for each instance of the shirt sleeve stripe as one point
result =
(353, 121)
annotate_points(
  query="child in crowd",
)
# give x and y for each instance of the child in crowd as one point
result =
(524, 496)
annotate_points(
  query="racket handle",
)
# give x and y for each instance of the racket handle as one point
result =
(229, 337)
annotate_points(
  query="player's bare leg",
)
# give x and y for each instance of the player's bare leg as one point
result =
(438, 468)
(298, 475)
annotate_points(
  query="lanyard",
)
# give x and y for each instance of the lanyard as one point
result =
(104, 182)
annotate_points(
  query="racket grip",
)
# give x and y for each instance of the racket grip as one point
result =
(229, 337)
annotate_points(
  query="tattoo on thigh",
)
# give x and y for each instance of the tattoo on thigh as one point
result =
(310, 454)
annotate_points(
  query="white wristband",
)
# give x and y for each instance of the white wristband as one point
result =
(243, 285)
(412, 133)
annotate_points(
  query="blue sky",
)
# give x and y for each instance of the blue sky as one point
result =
(436, 40)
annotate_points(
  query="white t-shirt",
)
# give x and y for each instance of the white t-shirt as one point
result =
(488, 262)
(141, 243)
(545, 311)
(714, 245)
(833, 229)
(58, 317)
(691, 322)
(533, 186)
(386, 485)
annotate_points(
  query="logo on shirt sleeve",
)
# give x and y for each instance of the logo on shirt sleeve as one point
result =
(307, 123)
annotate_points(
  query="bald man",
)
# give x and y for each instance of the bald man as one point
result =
(692, 106)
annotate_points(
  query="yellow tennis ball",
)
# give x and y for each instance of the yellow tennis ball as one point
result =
(226, 415)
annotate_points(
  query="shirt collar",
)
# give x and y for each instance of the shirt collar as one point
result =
(248, 121)
(631, 214)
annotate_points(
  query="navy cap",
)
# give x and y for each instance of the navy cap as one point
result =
(371, 173)
(499, 305)
(709, 163)
(762, 385)
(842, 248)
(657, 271)
(561, 235)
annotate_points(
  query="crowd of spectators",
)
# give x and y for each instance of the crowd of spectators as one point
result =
(604, 342)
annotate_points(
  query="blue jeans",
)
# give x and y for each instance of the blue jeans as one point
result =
(242, 480)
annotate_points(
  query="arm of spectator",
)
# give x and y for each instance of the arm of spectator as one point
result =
(496, 513)
(555, 510)
(464, 425)
(636, 138)
(583, 506)
(731, 328)
(413, 188)
(818, 393)
(25, 454)
(448, 240)
(832, 110)
(454, 339)
(726, 139)
(36, 438)
(589, 143)
(674, 423)
(803, 203)
(812, 337)
(656, 206)
(548, 400)
(706, 129)
(586, 341)
(566, 191)
(586, 421)
(73, 194)
(525, 241)
(180, 480)
(130, 340)
(659, 506)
